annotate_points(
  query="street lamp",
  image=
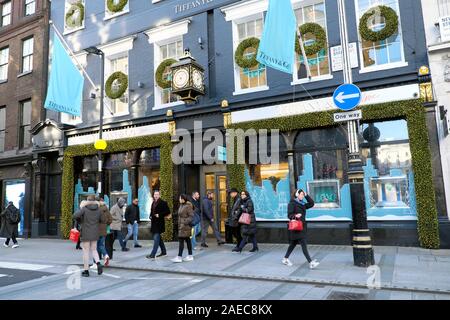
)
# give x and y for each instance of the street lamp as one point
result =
(100, 145)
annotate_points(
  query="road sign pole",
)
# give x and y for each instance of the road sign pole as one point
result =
(363, 255)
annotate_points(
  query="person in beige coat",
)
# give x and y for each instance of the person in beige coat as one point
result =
(185, 218)
(116, 225)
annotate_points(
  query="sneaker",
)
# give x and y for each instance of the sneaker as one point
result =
(125, 249)
(254, 250)
(237, 250)
(188, 258)
(106, 261)
(6, 245)
(286, 262)
(204, 245)
(93, 267)
(219, 243)
(161, 255)
(137, 246)
(195, 248)
(150, 257)
(99, 268)
(313, 264)
(15, 246)
(85, 273)
(177, 259)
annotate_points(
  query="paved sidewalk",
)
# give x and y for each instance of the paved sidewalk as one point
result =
(402, 269)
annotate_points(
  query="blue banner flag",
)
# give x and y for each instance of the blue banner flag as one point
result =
(277, 45)
(65, 88)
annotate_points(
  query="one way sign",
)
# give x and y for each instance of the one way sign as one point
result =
(347, 97)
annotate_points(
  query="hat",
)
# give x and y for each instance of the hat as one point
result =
(233, 190)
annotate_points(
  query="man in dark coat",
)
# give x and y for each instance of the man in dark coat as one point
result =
(297, 211)
(233, 215)
(159, 211)
(208, 220)
(10, 219)
(132, 218)
(195, 201)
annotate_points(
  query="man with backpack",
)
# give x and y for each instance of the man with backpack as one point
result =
(10, 219)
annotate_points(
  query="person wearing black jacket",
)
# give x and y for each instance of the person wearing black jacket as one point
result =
(159, 211)
(132, 218)
(208, 220)
(297, 211)
(195, 200)
(248, 230)
(232, 222)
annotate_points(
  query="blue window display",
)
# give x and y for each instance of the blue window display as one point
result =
(15, 192)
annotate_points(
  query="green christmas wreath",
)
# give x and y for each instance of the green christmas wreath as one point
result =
(113, 7)
(390, 28)
(319, 33)
(241, 60)
(70, 21)
(122, 78)
(163, 83)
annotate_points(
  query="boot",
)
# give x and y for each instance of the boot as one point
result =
(99, 268)
(85, 273)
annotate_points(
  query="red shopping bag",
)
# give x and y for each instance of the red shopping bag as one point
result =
(74, 235)
(295, 225)
(245, 218)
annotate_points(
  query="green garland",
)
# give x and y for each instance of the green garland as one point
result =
(245, 62)
(114, 146)
(116, 7)
(72, 23)
(413, 112)
(391, 27)
(162, 83)
(123, 80)
(321, 38)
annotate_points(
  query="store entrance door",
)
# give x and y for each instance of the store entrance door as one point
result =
(216, 182)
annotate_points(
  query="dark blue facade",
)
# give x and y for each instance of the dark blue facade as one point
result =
(208, 22)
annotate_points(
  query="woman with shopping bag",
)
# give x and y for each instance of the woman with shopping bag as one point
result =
(247, 220)
(297, 227)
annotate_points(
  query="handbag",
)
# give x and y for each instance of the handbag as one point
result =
(245, 218)
(295, 225)
(74, 235)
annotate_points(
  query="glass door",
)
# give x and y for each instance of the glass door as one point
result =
(217, 184)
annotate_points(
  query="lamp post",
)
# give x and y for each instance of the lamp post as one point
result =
(363, 255)
(100, 144)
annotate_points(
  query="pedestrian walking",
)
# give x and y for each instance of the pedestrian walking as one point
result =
(185, 217)
(103, 231)
(208, 220)
(10, 219)
(297, 211)
(159, 212)
(116, 225)
(89, 217)
(248, 230)
(233, 217)
(195, 200)
(132, 218)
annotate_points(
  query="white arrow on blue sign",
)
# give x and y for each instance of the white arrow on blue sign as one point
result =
(347, 97)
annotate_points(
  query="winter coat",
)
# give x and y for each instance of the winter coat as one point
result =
(207, 209)
(234, 213)
(132, 214)
(185, 217)
(8, 229)
(117, 218)
(107, 217)
(294, 208)
(247, 206)
(89, 217)
(161, 208)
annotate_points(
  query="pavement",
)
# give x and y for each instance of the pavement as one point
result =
(216, 272)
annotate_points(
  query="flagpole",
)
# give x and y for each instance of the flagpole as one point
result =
(305, 59)
(71, 53)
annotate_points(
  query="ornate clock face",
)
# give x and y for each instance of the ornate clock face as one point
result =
(180, 78)
(197, 78)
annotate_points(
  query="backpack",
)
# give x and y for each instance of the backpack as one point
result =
(196, 219)
(14, 216)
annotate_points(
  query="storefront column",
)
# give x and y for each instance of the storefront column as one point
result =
(38, 220)
(289, 138)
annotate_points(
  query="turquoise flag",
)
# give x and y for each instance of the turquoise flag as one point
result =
(65, 88)
(277, 45)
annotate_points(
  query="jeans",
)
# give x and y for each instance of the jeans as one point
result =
(196, 230)
(158, 242)
(293, 244)
(118, 235)
(133, 229)
(181, 248)
(246, 240)
(206, 223)
(101, 249)
(13, 239)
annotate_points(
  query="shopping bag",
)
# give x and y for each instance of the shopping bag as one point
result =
(74, 235)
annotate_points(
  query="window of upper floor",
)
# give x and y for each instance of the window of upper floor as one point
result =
(27, 55)
(319, 63)
(115, 8)
(2, 128)
(74, 15)
(30, 7)
(384, 54)
(25, 124)
(168, 45)
(4, 60)
(6, 13)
